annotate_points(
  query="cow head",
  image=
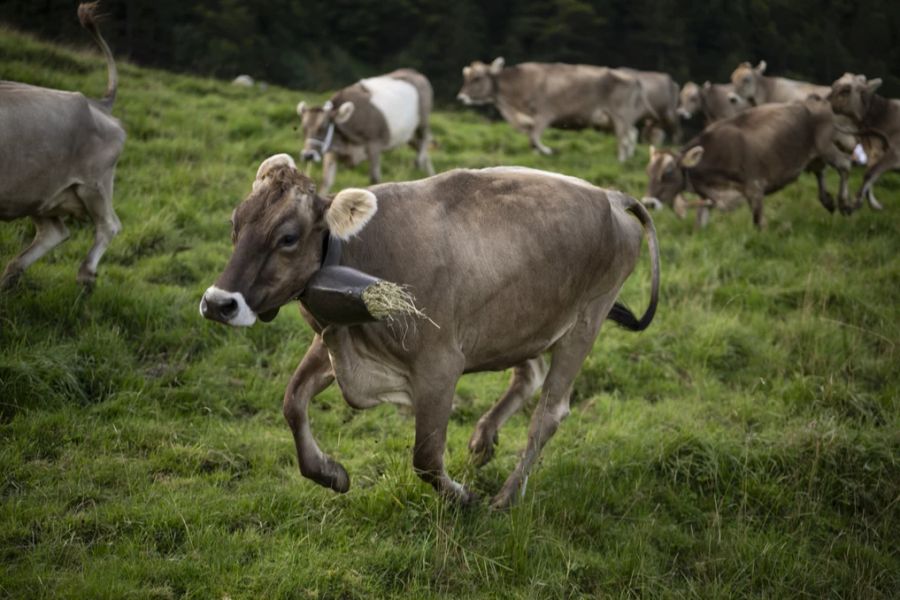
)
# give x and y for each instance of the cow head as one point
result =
(480, 82)
(745, 80)
(278, 233)
(851, 94)
(689, 102)
(318, 123)
(666, 177)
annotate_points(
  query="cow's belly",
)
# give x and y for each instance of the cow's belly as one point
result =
(398, 102)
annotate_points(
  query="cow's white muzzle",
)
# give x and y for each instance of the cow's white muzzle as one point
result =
(226, 307)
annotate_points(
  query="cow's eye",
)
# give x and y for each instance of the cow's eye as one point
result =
(288, 240)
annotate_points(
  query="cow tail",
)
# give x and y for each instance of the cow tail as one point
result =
(620, 313)
(87, 14)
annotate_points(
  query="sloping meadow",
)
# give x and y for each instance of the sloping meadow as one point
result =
(746, 444)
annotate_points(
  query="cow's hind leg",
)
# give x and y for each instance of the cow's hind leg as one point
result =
(535, 133)
(49, 233)
(568, 355)
(890, 160)
(525, 381)
(313, 375)
(97, 199)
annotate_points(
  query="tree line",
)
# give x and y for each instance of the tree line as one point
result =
(325, 44)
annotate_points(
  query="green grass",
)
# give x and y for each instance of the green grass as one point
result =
(747, 444)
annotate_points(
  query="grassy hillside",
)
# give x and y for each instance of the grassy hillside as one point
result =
(747, 444)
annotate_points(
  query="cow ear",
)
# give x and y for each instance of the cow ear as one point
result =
(301, 108)
(692, 157)
(467, 71)
(497, 65)
(761, 67)
(707, 85)
(270, 163)
(344, 112)
(350, 211)
(873, 85)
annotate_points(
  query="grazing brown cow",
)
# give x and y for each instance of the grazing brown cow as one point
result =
(58, 154)
(750, 155)
(363, 120)
(878, 121)
(533, 96)
(752, 85)
(498, 299)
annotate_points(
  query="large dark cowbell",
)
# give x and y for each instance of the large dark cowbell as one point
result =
(334, 296)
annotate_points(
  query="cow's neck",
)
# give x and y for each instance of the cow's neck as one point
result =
(331, 250)
(877, 109)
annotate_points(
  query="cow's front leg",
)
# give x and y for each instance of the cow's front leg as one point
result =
(313, 375)
(754, 194)
(374, 155)
(568, 355)
(423, 160)
(534, 136)
(526, 379)
(49, 233)
(824, 197)
(433, 402)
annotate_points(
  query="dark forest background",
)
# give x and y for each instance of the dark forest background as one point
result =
(324, 44)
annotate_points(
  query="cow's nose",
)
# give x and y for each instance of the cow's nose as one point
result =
(226, 307)
(683, 113)
(462, 98)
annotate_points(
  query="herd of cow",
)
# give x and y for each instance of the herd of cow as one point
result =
(509, 264)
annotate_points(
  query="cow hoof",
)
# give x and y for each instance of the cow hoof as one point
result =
(847, 210)
(503, 501)
(87, 279)
(9, 280)
(333, 476)
(481, 446)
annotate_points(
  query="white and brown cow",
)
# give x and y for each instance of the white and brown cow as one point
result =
(751, 155)
(533, 96)
(363, 120)
(497, 299)
(58, 155)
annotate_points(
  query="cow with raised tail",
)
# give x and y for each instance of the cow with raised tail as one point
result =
(495, 298)
(363, 120)
(58, 155)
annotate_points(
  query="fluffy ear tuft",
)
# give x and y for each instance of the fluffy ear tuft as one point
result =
(466, 71)
(350, 211)
(873, 84)
(344, 112)
(274, 161)
(497, 65)
(761, 67)
(301, 108)
(692, 157)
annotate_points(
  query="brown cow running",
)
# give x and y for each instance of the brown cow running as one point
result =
(752, 85)
(878, 121)
(58, 155)
(361, 121)
(533, 96)
(750, 155)
(715, 101)
(498, 299)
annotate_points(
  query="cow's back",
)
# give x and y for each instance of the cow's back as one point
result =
(771, 143)
(498, 257)
(398, 102)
